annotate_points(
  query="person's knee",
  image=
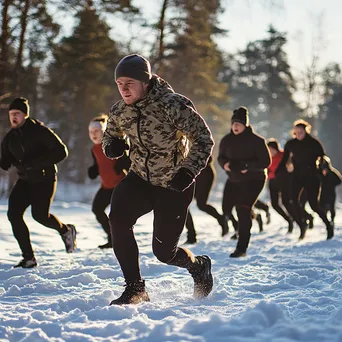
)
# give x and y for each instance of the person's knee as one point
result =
(202, 205)
(40, 217)
(163, 255)
(14, 216)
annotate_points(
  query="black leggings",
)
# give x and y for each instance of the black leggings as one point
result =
(39, 196)
(133, 198)
(204, 183)
(310, 183)
(276, 194)
(242, 195)
(100, 202)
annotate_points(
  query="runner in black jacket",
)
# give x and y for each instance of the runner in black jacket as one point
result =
(204, 183)
(304, 151)
(330, 178)
(34, 150)
(245, 157)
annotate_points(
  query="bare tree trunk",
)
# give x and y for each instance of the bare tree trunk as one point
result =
(19, 61)
(4, 47)
(161, 45)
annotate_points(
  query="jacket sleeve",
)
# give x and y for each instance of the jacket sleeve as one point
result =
(114, 143)
(54, 152)
(263, 158)
(93, 171)
(6, 159)
(337, 176)
(222, 157)
(187, 120)
(282, 165)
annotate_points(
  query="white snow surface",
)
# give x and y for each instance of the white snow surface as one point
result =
(284, 290)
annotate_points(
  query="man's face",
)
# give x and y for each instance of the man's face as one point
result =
(131, 90)
(238, 128)
(95, 135)
(17, 118)
(300, 133)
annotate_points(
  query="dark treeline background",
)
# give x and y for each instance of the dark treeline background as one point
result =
(69, 79)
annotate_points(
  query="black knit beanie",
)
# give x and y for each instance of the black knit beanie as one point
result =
(20, 103)
(241, 115)
(274, 144)
(134, 66)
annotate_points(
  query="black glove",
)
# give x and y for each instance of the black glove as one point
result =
(183, 179)
(121, 164)
(93, 171)
(116, 148)
(238, 165)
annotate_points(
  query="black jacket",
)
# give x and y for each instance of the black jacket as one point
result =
(34, 150)
(244, 151)
(303, 153)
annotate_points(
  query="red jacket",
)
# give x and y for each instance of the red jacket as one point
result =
(274, 164)
(106, 168)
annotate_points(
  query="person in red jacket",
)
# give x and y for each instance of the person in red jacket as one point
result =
(278, 186)
(111, 172)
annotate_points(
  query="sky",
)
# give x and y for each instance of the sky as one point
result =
(283, 291)
(312, 25)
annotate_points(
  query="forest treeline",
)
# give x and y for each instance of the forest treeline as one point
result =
(69, 79)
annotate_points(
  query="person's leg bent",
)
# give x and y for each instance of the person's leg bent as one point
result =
(170, 210)
(131, 199)
(100, 202)
(19, 200)
(42, 197)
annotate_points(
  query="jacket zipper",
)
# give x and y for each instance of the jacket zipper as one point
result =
(142, 144)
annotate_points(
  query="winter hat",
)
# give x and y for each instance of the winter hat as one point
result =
(99, 122)
(20, 103)
(241, 115)
(134, 66)
(274, 144)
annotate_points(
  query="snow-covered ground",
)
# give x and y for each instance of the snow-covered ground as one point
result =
(283, 291)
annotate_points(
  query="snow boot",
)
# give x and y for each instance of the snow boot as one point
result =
(224, 224)
(290, 229)
(260, 223)
(330, 231)
(134, 293)
(234, 237)
(69, 238)
(303, 231)
(203, 279)
(27, 262)
(237, 254)
(106, 245)
(310, 221)
(268, 215)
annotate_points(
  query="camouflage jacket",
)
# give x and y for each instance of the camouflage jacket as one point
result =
(165, 133)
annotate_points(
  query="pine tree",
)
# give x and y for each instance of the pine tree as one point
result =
(81, 85)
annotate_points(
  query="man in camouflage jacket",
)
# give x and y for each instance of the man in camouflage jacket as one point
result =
(169, 144)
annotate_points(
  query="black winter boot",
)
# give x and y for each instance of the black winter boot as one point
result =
(134, 293)
(290, 230)
(330, 231)
(268, 215)
(303, 231)
(260, 223)
(224, 224)
(27, 262)
(237, 254)
(69, 238)
(203, 279)
(234, 237)
(106, 245)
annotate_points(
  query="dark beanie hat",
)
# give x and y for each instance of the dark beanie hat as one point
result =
(241, 115)
(274, 144)
(20, 103)
(134, 66)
